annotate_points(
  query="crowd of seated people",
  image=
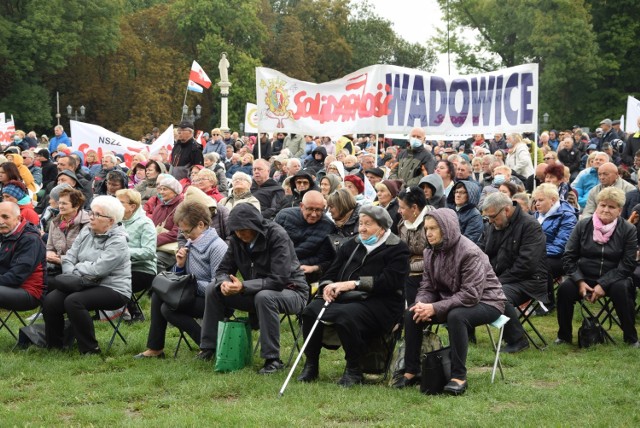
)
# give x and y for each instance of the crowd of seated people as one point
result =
(453, 233)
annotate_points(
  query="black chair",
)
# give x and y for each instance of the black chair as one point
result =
(115, 325)
(525, 312)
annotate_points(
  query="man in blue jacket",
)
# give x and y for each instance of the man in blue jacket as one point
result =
(61, 137)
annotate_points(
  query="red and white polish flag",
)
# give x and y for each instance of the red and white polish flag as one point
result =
(198, 75)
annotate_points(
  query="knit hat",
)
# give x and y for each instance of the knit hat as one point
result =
(378, 214)
(393, 186)
(16, 189)
(356, 182)
(55, 192)
(169, 181)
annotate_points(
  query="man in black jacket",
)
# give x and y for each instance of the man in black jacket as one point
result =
(309, 229)
(265, 189)
(517, 250)
(412, 160)
(186, 152)
(272, 283)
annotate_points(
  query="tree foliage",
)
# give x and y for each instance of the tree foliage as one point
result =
(127, 61)
(556, 34)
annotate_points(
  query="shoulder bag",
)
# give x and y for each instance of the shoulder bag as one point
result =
(177, 291)
(436, 369)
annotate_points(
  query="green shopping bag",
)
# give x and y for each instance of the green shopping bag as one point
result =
(234, 349)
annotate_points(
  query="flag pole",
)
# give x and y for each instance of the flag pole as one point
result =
(184, 103)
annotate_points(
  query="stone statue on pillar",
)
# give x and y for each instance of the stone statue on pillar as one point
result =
(224, 84)
(223, 67)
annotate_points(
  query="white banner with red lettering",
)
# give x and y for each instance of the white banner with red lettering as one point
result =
(391, 99)
(86, 136)
(7, 129)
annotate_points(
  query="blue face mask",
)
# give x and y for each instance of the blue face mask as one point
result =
(509, 145)
(17, 139)
(415, 142)
(369, 241)
(498, 179)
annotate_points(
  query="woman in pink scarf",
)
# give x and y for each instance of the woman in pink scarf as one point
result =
(599, 260)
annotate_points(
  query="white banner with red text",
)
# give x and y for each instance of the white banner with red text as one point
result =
(7, 129)
(391, 99)
(86, 136)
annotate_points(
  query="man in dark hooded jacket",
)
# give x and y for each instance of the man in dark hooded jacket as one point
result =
(316, 163)
(301, 183)
(272, 283)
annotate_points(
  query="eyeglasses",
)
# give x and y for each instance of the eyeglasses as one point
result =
(314, 210)
(547, 158)
(460, 192)
(186, 232)
(94, 214)
(493, 217)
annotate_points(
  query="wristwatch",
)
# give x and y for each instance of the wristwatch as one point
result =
(357, 283)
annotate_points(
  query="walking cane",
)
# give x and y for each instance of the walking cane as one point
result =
(304, 346)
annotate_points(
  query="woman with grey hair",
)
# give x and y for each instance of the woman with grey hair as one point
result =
(365, 287)
(240, 193)
(98, 261)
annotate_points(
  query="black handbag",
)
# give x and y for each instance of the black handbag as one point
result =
(590, 332)
(70, 283)
(177, 291)
(436, 371)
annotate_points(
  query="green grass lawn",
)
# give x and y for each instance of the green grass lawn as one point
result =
(561, 386)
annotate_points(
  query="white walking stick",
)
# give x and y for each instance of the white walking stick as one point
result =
(304, 346)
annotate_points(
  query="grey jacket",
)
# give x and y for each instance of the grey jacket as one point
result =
(101, 257)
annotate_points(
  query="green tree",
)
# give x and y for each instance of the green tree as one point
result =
(38, 37)
(617, 28)
(373, 41)
(556, 34)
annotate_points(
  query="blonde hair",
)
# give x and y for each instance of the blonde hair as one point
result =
(209, 175)
(611, 194)
(547, 190)
(132, 195)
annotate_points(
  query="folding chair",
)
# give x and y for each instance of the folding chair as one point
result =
(182, 338)
(136, 298)
(525, 315)
(296, 333)
(4, 322)
(115, 326)
(499, 324)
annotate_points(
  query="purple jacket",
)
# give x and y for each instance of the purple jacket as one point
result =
(457, 272)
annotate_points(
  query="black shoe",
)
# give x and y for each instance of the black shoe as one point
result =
(455, 388)
(96, 351)
(271, 366)
(404, 382)
(520, 345)
(142, 356)
(351, 377)
(559, 341)
(206, 354)
(309, 372)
